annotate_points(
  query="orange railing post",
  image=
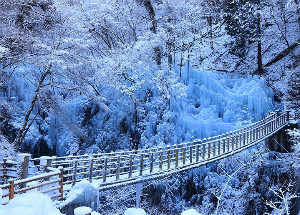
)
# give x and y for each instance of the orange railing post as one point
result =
(11, 189)
(61, 184)
(4, 170)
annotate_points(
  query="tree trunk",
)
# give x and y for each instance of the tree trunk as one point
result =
(282, 54)
(298, 11)
(18, 139)
(259, 55)
(151, 13)
(259, 58)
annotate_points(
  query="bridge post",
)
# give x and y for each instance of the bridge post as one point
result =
(45, 162)
(265, 127)
(23, 167)
(232, 137)
(176, 155)
(130, 166)
(169, 156)
(273, 122)
(71, 159)
(54, 159)
(244, 136)
(105, 169)
(191, 153)
(11, 189)
(219, 144)
(237, 139)
(228, 141)
(232, 140)
(74, 169)
(118, 168)
(141, 163)
(277, 118)
(184, 154)
(203, 148)
(247, 136)
(161, 159)
(208, 145)
(215, 146)
(197, 152)
(151, 161)
(288, 115)
(239, 143)
(91, 167)
(224, 142)
(61, 183)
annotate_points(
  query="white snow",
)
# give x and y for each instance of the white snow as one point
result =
(3, 50)
(135, 211)
(83, 192)
(31, 203)
(82, 210)
(190, 212)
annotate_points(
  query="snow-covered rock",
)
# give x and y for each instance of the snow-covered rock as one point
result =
(135, 211)
(32, 203)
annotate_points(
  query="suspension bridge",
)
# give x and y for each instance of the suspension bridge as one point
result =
(55, 175)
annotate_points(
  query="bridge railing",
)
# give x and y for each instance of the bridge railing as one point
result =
(49, 183)
(126, 166)
(8, 170)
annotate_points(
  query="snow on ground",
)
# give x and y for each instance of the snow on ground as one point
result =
(190, 212)
(135, 211)
(32, 203)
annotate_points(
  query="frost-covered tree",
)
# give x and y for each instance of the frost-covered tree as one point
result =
(243, 23)
(293, 96)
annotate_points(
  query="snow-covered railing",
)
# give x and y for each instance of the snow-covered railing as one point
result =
(132, 166)
(8, 169)
(128, 167)
(50, 183)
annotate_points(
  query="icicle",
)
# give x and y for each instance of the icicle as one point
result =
(139, 188)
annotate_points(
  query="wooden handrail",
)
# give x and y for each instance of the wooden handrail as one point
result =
(117, 167)
(11, 186)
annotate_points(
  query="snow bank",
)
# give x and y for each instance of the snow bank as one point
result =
(32, 203)
(134, 211)
(82, 211)
(190, 212)
(83, 193)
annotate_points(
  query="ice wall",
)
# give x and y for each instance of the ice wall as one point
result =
(214, 103)
(219, 102)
